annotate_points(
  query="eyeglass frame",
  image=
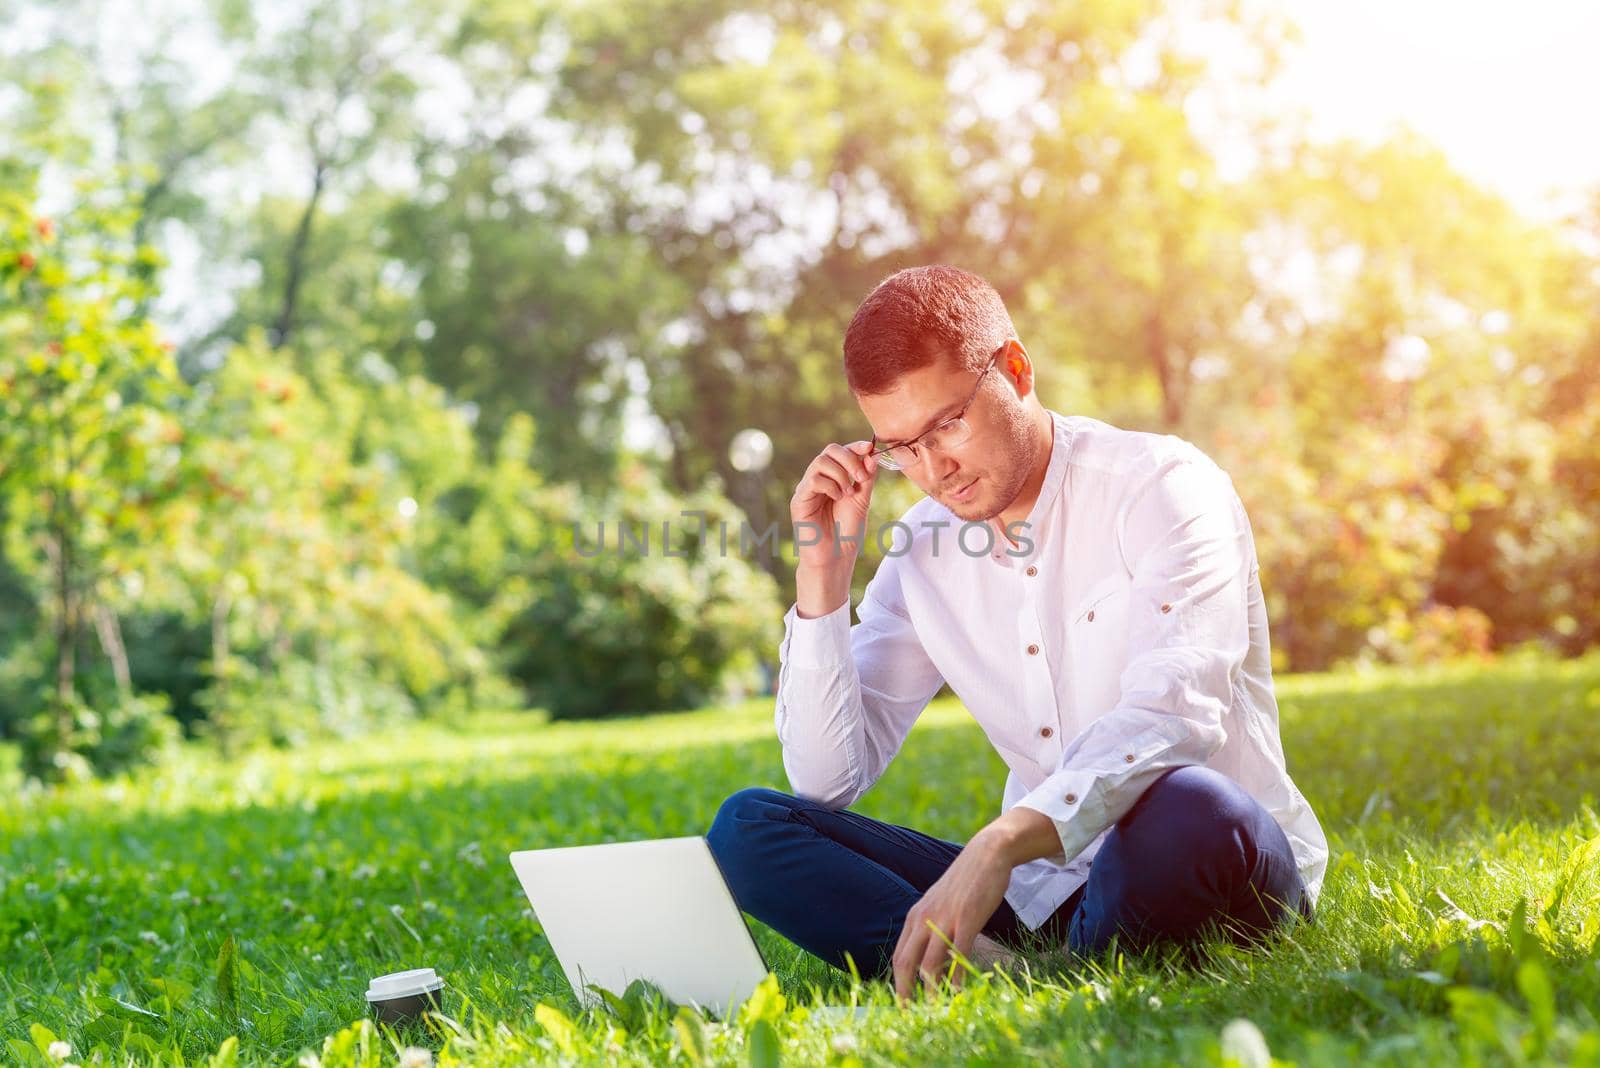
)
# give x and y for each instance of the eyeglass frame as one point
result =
(877, 455)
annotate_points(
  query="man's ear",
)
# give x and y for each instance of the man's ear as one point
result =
(1013, 360)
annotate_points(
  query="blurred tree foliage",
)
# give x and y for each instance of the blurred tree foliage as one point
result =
(83, 468)
(634, 601)
(447, 276)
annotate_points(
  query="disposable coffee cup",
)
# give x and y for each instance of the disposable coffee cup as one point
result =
(403, 996)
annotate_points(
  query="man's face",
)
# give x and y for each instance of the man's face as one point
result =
(994, 460)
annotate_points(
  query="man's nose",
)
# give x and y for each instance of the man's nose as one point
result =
(939, 467)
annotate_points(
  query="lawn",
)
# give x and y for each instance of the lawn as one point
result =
(210, 913)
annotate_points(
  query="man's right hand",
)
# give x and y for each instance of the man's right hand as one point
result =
(836, 489)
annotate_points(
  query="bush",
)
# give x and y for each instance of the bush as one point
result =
(612, 632)
(67, 740)
(167, 653)
(300, 699)
(1430, 635)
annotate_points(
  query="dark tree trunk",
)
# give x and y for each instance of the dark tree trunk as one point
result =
(296, 265)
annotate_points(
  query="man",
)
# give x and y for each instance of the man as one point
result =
(1091, 594)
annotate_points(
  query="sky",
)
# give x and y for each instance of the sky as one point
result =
(1507, 90)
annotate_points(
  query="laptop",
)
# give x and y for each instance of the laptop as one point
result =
(658, 910)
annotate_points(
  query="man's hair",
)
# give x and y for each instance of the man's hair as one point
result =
(916, 317)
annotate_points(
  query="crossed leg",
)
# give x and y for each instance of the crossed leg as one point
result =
(1196, 853)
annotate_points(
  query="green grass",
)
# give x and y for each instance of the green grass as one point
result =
(1460, 919)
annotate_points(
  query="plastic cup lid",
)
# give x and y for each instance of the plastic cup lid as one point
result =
(403, 984)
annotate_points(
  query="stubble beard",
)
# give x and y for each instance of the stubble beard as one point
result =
(1016, 460)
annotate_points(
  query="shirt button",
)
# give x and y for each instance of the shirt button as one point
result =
(1032, 570)
(1091, 615)
(1128, 759)
(1045, 732)
(1072, 799)
(1166, 608)
(1033, 650)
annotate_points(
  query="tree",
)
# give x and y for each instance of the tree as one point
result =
(785, 160)
(524, 312)
(296, 545)
(85, 444)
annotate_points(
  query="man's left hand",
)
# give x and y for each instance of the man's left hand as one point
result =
(959, 904)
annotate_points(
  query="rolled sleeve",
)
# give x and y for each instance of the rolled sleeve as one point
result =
(1186, 541)
(818, 642)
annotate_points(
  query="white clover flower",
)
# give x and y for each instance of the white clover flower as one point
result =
(149, 936)
(471, 853)
(844, 1043)
(1245, 1045)
(310, 1060)
(59, 1050)
(415, 1057)
(363, 871)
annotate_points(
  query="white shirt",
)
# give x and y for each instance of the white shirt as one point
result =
(1123, 632)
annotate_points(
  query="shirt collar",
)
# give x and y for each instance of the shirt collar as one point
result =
(1054, 475)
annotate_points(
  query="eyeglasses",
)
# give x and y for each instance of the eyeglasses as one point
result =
(947, 435)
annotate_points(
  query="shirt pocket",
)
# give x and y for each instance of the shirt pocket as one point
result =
(1097, 635)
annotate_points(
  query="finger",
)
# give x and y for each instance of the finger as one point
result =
(869, 456)
(845, 465)
(829, 483)
(933, 959)
(869, 463)
(904, 970)
(905, 974)
(963, 940)
(851, 463)
(835, 474)
(826, 480)
(834, 471)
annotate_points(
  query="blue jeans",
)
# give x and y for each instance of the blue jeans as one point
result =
(1195, 853)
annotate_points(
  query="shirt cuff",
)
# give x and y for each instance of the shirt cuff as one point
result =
(1075, 802)
(821, 642)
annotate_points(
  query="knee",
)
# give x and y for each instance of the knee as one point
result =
(741, 808)
(1192, 810)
